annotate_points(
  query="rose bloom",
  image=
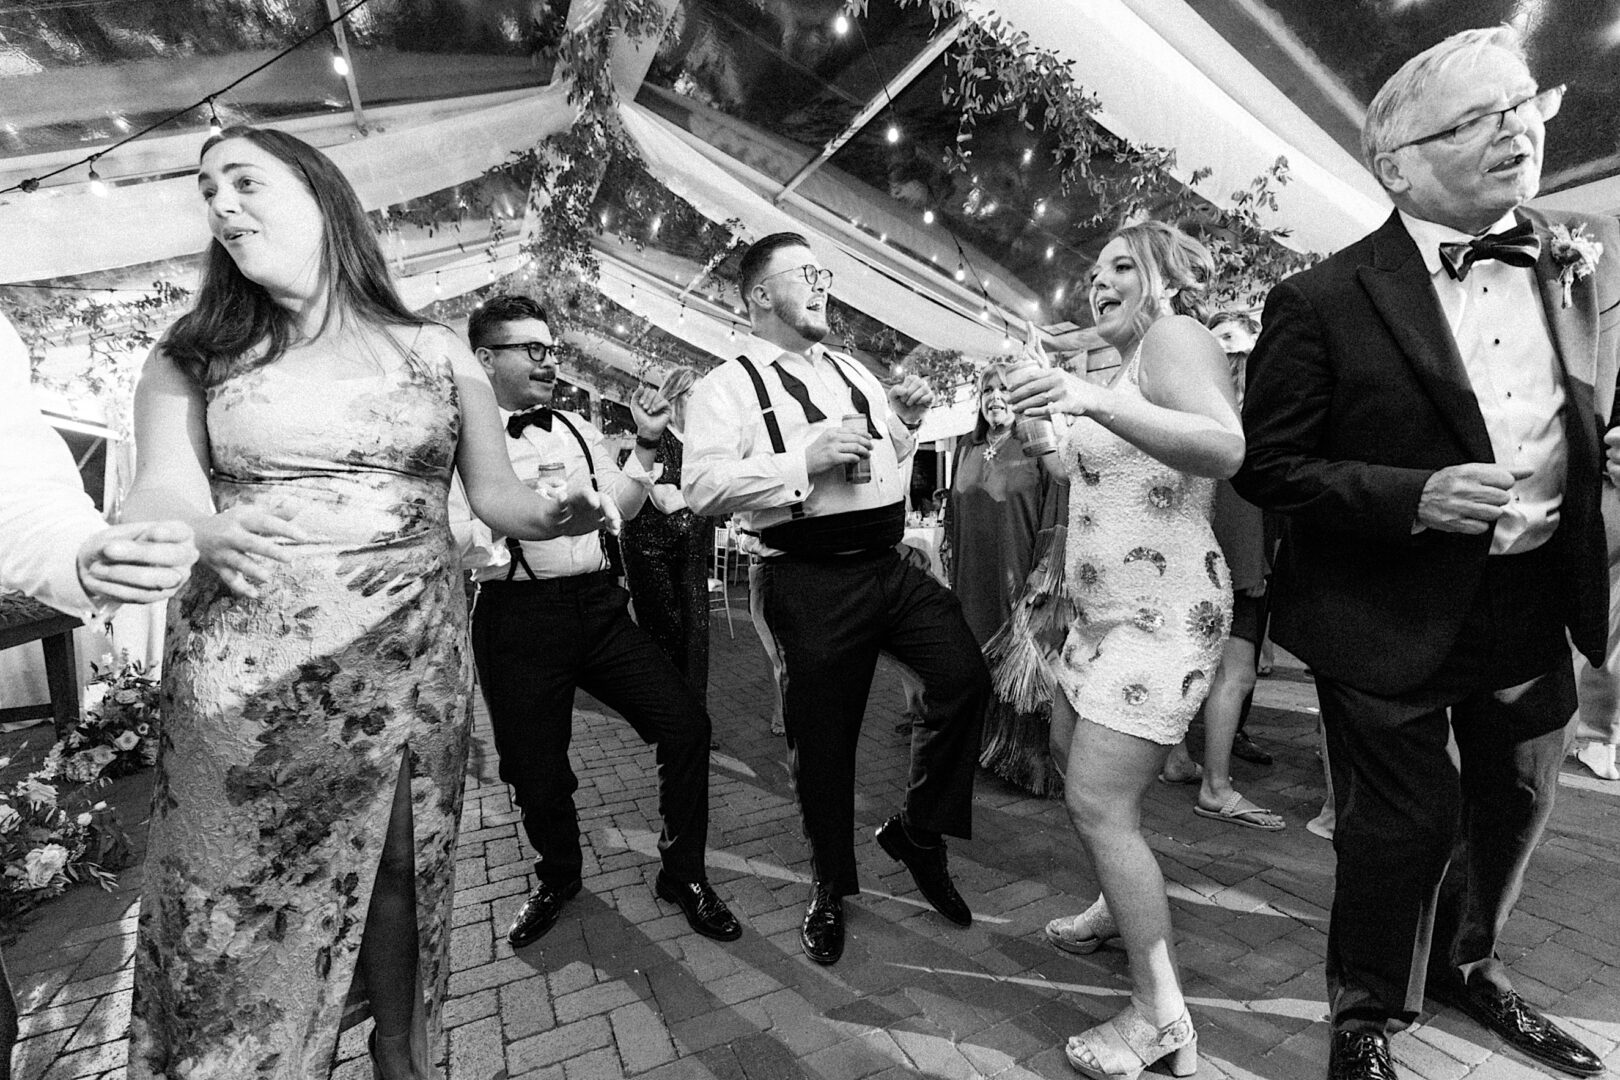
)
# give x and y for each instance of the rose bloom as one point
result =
(83, 819)
(127, 741)
(103, 755)
(8, 818)
(44, 863)
(38, 792)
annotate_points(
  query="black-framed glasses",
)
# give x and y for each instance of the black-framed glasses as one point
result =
(813, 277)
(1543, 103)
(538, 351)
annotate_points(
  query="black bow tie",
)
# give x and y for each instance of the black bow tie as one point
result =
(538, 417)
(1518, 246)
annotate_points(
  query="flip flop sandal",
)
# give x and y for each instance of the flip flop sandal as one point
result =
(1248, 818)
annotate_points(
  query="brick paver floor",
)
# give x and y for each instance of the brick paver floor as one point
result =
(622, 987)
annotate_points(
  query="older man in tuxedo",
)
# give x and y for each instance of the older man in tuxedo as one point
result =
(1427, 407)
(57, 549)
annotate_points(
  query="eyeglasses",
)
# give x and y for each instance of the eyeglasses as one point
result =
(1544, 105)
(538, 351)
(812, 276)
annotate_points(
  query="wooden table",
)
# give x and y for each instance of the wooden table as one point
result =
(23, 620)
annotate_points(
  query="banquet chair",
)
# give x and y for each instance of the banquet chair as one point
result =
(720, 576)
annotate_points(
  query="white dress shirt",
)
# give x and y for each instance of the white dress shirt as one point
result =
(730, 468)
(45, 516)
(1500, 326)
(486, 554)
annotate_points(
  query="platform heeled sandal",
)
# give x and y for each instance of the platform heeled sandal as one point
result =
(1083, 933)
(1120, 1048)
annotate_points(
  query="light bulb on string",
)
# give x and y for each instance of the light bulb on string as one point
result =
(961, 272)
(1006, 341)
(438, 289)
(1051, 250)
(1029, 155)
(841, 24)
(893, 134)
(681, 318)
(883, 238)
(731, 335)
(215, 128)
(984, 313)
(98, 186)
(928, 217)
(340, 63)
(1040, 208)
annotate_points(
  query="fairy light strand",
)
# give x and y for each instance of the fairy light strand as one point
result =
(31, 184)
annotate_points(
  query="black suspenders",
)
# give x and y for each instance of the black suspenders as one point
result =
(513, 546)
(772, 428)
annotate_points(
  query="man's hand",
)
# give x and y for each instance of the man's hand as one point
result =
(138, 563)
(911, 398)
(575, 513)
(835, 448)
(650, 412)
(1467, 498)
(1611, 443)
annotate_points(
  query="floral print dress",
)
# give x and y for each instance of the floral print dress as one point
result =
(1152, 594)
(286, 719)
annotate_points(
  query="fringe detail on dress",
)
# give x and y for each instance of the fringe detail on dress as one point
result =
(1022, 680)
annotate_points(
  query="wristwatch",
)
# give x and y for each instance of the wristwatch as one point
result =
(646, 443)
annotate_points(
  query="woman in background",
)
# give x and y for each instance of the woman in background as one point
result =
(1002, 506)
(669, 551)
(316, 676)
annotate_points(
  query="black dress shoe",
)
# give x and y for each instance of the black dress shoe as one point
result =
(1360, 1054)
(704, 910)
(822, 934)
(1521, 1025)
(928, 870)
(1246, 748)
(539, 913)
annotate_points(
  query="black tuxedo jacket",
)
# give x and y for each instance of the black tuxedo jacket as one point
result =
(1356, 394)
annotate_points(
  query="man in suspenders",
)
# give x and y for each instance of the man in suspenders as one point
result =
(550, 617)
(766, 441)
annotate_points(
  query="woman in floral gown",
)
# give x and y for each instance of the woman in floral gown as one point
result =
(1153, 603)
(316, 676)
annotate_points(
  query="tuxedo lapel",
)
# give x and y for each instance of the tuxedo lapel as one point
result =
(1574, 328)
(1397, 282)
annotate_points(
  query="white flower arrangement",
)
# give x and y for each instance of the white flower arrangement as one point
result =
(1576, 253)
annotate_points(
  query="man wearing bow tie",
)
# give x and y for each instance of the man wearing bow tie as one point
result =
(1428, 407)
(550, 617)
(771, 437)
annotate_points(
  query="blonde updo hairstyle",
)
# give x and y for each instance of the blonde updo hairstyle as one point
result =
(1169, 261)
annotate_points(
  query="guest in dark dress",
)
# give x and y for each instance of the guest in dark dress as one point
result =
(1002, 514)
(668, 551)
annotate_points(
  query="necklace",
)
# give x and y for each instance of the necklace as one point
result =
(995, 445)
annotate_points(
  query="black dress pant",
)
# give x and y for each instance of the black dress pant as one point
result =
(1406, 813)
(830, 620)
(534, 643)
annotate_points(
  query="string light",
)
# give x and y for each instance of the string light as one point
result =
(893, 134)
(31, 184)
(1051, 250)
(215, 128)
(961, 272)
(98, 186)
(1040, 208)
(1029, 155)
(340, 63)
(928, 217)
(681, 318)
(438, 289)
(841, 24)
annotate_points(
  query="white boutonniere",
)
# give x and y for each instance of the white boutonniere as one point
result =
(1575, 253)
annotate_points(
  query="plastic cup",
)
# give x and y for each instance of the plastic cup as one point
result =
(550, 479)
(1034, 433)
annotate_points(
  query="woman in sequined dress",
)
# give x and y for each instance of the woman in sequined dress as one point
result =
(1153, 604)
(668, 552)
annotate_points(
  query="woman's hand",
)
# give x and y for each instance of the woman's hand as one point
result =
(1048, 391)
(575, 513)
(243, 543)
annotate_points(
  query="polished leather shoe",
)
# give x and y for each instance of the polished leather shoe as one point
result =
(1522, 1026)
(822, 934)
(1247, 749)
(928, 870)
(1360, 1054)
(539, 913)
(704, 910)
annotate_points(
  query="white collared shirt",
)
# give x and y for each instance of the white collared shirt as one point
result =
(1500, 326)
(730, 468)
(45, 516)
(486, 554)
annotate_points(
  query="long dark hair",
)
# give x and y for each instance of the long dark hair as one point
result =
(233, 315)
